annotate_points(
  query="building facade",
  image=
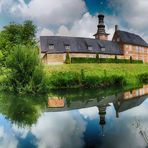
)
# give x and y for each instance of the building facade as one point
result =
(124, 45)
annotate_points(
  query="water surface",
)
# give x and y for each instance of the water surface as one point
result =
(75, 119)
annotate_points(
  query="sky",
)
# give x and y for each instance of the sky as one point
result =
(77, 17)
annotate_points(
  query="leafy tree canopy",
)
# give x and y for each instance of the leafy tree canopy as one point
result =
(16, 34)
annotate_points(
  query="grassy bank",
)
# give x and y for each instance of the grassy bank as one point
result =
(96, 75)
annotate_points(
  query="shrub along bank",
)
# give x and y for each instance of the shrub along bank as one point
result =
(104, 60)
(97, 75)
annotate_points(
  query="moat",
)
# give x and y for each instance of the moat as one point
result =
(75, 119)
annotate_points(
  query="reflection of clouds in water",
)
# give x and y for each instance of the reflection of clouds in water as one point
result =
(59, 130)
(7, 140)
(141, 110)
(20, 132)
(91, 113)
(121, 133)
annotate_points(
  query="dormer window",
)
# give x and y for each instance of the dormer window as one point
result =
(67, 47)
(102, 49)
(51, 46)
(118, 39)
(90, 48)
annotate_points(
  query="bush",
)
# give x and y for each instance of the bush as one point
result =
(131, 59)
(65, 79)
(73, 80)
(97, 58)
(104, 60)
(83, 60)
(117, 81)
(67, 60)
(143, 78)
(116, 59)
(107, 60)
(106, 81)
(27, 75)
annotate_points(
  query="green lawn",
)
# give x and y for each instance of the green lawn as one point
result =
(129, 71)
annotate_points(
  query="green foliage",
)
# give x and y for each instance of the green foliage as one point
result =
(128, 71)
(131, 59)
(22, 110)
(101, 82)
(83, 60)
(17, 34)
(82, 74)
(72, 79)
(1, 58)
(104, 60)
(65, 79)
(67, 60)
(98, 58)
(143, 78)
(116, 59)
(27, 73)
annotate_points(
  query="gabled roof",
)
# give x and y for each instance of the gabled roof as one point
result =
(78, 45)
(131, 103)
(131, 38)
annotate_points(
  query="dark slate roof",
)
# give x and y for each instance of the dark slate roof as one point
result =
(131, 38)
(131, 103)
(78, 45)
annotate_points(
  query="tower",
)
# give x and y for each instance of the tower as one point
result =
(101, 34)
(102, 113)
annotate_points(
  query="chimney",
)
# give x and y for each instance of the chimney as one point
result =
(116, 27)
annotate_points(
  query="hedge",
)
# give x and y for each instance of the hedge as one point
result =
(104, 60)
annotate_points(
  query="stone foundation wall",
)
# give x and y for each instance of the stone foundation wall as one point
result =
(60, 58)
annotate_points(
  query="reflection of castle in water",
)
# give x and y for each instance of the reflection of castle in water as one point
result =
(121, 102)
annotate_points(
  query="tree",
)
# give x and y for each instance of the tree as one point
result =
(131, 59)
(17, 34)
(1, 56)
(27, 74)
(67, 60)
(98, 58)
(116, 59)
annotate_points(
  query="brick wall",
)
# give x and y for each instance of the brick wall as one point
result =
(137, 52)
(128, 51)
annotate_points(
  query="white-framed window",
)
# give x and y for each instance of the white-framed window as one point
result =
(90, 48)
(143, 58)
(51, 46)
(137, 48)
(118, 39)
(136, 57)
(67, 47)
(142, 49)
(130, 47)
(126, 46)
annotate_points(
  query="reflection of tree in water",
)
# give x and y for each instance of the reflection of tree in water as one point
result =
(23, 111)
(142, 132)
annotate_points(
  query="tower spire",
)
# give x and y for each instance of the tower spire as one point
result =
(102, 113)
(101, 33)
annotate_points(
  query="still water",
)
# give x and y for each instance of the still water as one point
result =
(75, 119)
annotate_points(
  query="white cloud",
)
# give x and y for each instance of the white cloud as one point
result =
(46, 12)
(7, 140)
(85, 27)
(71, 18)
(91, 113)
(59, 130)
(133, 14)
(46, 32)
